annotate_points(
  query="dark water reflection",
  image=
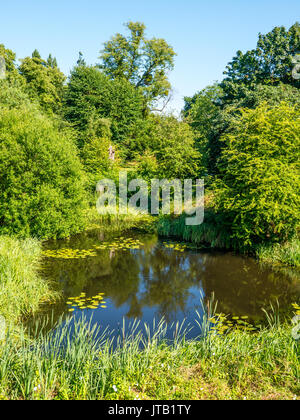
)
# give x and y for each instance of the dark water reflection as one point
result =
(155, 281)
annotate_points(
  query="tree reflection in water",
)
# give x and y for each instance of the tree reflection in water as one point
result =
(155, 281)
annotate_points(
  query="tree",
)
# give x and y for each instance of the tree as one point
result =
(257, 192)
(44, 81)
(211, 116)
(90, 92)
(168, 145)
(42, 180)
(143, 62)
(204, 114)
(95, 152)
(9, 56)
(270, 63)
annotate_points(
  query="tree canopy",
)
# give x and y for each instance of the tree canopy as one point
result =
(90, 92)
(271, 62)
(143, 62)
(44, 81)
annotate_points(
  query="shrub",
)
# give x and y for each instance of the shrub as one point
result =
(42, 181)
(258, 189)
(171, 143)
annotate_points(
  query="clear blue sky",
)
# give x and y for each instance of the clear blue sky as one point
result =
(205, 34)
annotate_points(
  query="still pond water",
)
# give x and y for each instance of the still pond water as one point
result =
(134, 276)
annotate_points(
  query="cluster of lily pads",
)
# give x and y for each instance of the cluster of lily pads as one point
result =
(120, 244)
(176, 246)
(69, 253)
(222, 324)
(82, 302)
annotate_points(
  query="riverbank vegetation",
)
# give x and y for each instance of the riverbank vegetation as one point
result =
(241, 135)
(94, 365)
(59, 136)
(22, 289)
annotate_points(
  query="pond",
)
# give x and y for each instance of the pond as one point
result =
(135, 276)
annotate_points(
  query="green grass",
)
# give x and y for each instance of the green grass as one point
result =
(84, 364)
(111, 223)
(77, 365)
(21, 288)
(287, 254)
(211, 234)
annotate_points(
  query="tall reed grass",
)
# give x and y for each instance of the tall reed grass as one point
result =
(111, 223)
(288, 254)
(80, 361)
(210, 233)
(21, 288)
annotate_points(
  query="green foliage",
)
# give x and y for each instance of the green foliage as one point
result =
(9, 56)
(84, 363)
(147, 167)
(270, 63)
(13, 95)
(21, 288)
(95, 152)
(211, 116)
(42, 182)
(90, 92)
(44, 81)
(258, 189)
(170, 143)
(142, 62)
(277, 254)
(204, 114)
(273, 95)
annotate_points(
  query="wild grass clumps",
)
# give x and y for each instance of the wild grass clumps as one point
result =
(210, 233)
(83, 362)
(114, 223)
(21, 287)
(213, 234)
(288, 253)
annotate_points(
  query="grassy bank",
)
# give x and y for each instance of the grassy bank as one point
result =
(238, 365)
(21, 288)
(287, 254)
(116, 223)
(81, 363)
(211, 235)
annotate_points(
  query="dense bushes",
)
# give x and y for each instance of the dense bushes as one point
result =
(168, 148)
(258, 189)
(41, 177)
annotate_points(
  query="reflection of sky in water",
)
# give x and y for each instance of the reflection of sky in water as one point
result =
(155, 282)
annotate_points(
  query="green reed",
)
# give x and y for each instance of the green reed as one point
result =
(78, 360)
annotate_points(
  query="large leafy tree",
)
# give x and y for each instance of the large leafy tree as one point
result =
(42, 180)
(211, 116)
(257, 192)
(204, 113)
(143, 62)
(91, 94)
(11, 70)
(44, 81)
(271, 62)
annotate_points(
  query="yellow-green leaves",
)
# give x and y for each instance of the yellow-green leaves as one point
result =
(119, 244)
(66, 253)
(83, 302)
